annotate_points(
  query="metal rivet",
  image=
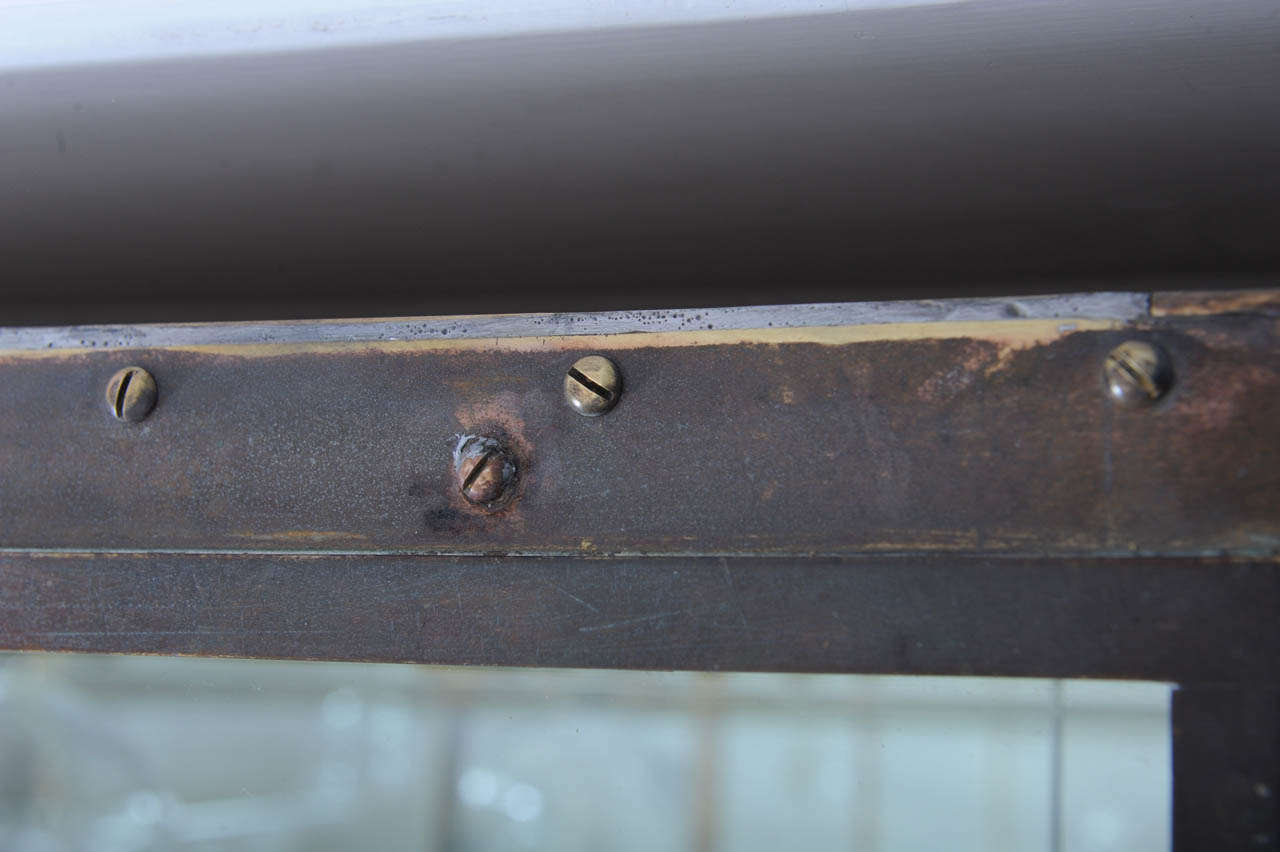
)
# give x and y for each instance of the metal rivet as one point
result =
(1137, 373)
(485, 471)
(131, 394)
(592, 385)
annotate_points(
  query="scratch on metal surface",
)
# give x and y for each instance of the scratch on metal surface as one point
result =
(73, 634)
(300, 536)
(733, 593)
(630, 621)
(572, 596)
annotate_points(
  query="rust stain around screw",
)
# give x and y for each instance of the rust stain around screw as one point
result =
(485, 470)
(131, 394)
(592, 385)
(1137, 373)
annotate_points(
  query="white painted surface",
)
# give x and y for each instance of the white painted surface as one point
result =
(43, 33)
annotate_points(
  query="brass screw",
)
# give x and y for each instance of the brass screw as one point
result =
(592, 385)
(1137, 373)
(131, 394)
(485, 471)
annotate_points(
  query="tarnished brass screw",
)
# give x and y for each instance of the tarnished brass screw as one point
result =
(1137, 373)
(485, 470)
(592, 385)
(131, 394)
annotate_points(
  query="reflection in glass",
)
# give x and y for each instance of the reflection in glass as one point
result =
(152, 753)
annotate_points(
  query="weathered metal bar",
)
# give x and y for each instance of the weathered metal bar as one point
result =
(1186, 620)
(989, 435)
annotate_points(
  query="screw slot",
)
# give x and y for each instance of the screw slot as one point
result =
(592, 385)
(485, 471)
(1137, 373)
(603, 393)
(124, 388)
(476, 469)
(131, 394)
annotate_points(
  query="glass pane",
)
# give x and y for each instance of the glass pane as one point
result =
(151, 753)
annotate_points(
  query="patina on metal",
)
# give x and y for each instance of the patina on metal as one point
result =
(971, 435)
(131, 394)
(592, 385)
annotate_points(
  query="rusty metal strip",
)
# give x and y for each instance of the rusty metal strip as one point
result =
(1182, 620)
(1208, 303)
(937, 437)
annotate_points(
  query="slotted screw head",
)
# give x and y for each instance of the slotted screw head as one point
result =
(592, 385)
(1137, 373)
(485, 471)
(131, 394)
